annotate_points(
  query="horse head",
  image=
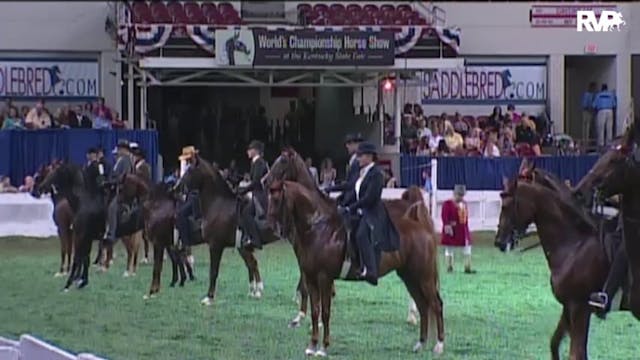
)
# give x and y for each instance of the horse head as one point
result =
(56, 178)
(206, 178)
(39, 178)
(516, 212)
(290, 166)
(615, 170)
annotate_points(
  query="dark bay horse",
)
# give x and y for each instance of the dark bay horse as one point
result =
(80, 188)
(574, 253)
(617, 172)
(62, 217)
(311, 220)
(158, 212)
(290, 166)
(219, 207)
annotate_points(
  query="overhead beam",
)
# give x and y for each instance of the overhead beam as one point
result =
(294, 79)
(188, 77)
(238, 84)
(242, 77)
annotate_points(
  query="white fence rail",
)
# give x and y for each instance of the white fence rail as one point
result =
(31, 348)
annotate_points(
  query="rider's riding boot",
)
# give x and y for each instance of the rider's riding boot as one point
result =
(467, 265)
(368, 259)
(251, 238)
(601, 301)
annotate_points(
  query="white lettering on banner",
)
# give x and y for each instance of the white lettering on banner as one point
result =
(609, 20)
(49, 78)
(489, 83)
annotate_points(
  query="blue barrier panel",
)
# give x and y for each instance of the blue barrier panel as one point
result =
(487, 173)
(28, 150)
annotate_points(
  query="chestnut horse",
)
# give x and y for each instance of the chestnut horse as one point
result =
(575, 255)
(291, 167)
(62, 217)
(617, 171)
(219, 207)
(311, 220)
(158, 211)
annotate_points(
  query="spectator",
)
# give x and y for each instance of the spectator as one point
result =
(100, 121)
(453, 140)
(12, 120)
(88, 110)
(24, 111)
(472, 142)
(434, 141)
(38, 117)
(507, 143)
(327, 173)
(66, 118)
(117, 123)
(460, 125)
(409, 134)
(5, 185)
(495, 120)
(587, 111)
(491, 145)
(512, 116)
(426, 177)
(81, 119)
(234, 174)
(526, 134)
(312, 170)
(102, 110)
(28, 185)
(424, 147)
(423, 131)
(604, 103)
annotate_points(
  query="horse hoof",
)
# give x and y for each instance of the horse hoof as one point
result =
(297, 320)
(172, 284)
(145, 261)
(65, 290)
(191, 260)
(418, 346)
(257, 294)
(148, 296)
(293, 324)
(310, 351)
(81, 284)
(206, 301)
(438, 349)
(412, 319)
(321, 353)
(126, 274)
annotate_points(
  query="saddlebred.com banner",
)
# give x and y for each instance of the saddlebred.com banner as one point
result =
(259, 47)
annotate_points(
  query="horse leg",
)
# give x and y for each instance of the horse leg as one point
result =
(69, 247)
(256, 286)
(158, 251)
(74, 265)
(127, 241)
(303, 298)
(86, 260)
(99, 258)
(215, 253)
(62, 236)
(183, 263)
(326, 296)
(173, 256)
(137, 239)
(580, 315)
(314, 294)
(559, 334)
(145, 240)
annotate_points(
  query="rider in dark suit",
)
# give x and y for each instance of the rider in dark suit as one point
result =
(353, 169)
(258, 205)
(140, 166)
(122, 166)
(366, 207)
(190, 207)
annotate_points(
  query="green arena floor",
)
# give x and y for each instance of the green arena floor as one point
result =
(506, 311)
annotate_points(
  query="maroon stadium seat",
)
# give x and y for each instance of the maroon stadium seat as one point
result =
(141, 13)
(208, 8)
(226, 8)
(194, 13)
(160, 13)
(387, 7)
(404, 7)
(337, 9)
(321, 9)
(353, 7)
(370, 8)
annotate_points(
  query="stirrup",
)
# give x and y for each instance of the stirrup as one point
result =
(604, 298)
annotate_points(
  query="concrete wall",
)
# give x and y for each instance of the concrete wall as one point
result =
(61, 29)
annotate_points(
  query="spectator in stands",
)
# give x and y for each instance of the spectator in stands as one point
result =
(526, 134)
(100, 121)
(118, 123)
(426, 178)
(424, 148)
(12, 121)
(88, 110)
(65, 118)
(507, 142)
(587, 111)
(38, 117)
(512, 116)
(453, 140)
(327, 174)
(5, 185)
(495, 120)
(473, 141)
(434, 141)
(423, 131)
(24, 111)
(246, 181)
(491, 144)
(409, 134)
(28, 185)
(312, 170)
(460, 125)
(100, 109)
(604, 103)
(81, 119)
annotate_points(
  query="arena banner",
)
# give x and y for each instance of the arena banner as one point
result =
(282, 47)
(485, 84)
(48, 78)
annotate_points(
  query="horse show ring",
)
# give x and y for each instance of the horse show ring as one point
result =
(506, 311)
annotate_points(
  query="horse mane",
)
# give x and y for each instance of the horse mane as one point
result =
(417, 211)
(574, 213)
(304, 177)
(213, 173)
(309, 195)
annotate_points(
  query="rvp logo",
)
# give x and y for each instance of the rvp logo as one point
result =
(609, 20)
